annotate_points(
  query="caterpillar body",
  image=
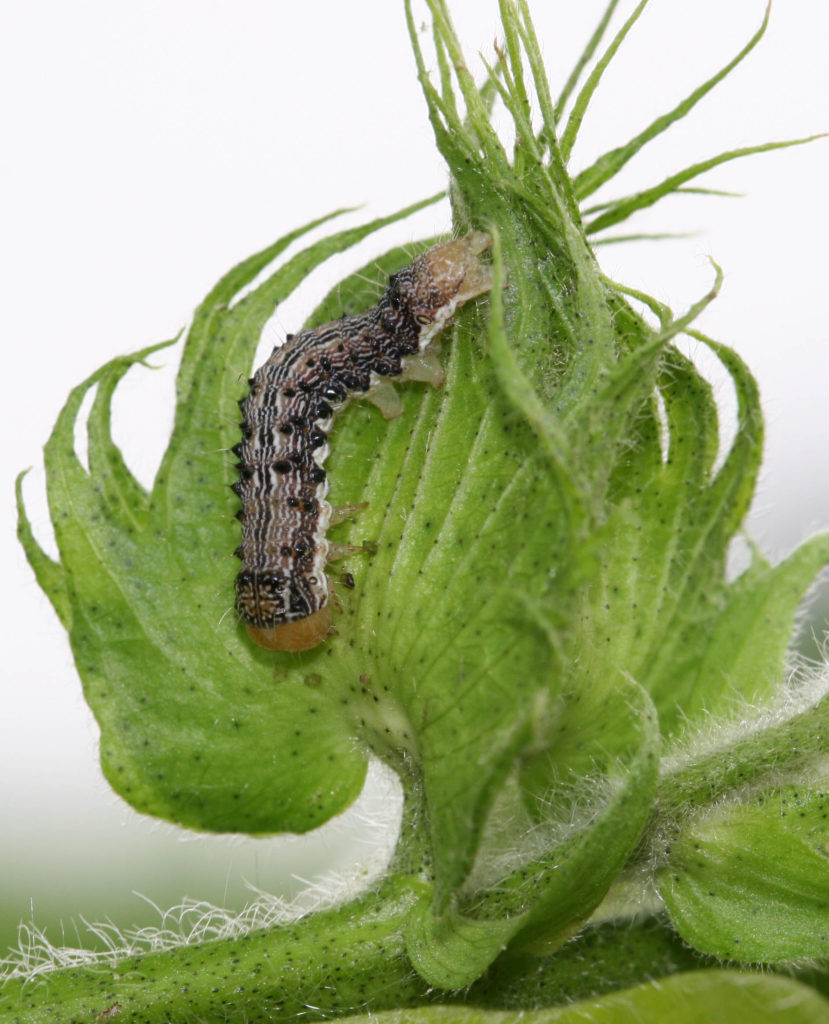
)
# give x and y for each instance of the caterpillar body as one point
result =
(282, 591)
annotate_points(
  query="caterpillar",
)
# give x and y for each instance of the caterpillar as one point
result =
(282, 591)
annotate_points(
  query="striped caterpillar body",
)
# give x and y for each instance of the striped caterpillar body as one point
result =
(282, 590)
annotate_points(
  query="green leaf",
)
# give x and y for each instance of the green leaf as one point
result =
(571, 130)
(609, 164)
(745, 652)
(584, 59)
(684, 191)
(539, 874)
(739, 885)
(49, 574)
(528, 403)
(175, 742)
(621, 209)
(602, 958)
(659, 587)
(802, 811)
(609, 739)
(689, 514)
(699, 997)
(642, 237)
(452, 951)
(449, 673)
(125, 498)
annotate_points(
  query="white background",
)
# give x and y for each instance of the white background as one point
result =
(151, 144)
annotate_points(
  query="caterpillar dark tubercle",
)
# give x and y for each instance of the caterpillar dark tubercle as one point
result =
(282, 591)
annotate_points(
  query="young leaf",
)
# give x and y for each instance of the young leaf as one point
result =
(584, 59)
(609, 164)
(536, 876)
(739, 885)
(571, 129)
(699, 997)
(621, 209)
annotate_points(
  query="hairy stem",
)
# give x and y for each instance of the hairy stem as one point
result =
(335, 961)
(754, 762)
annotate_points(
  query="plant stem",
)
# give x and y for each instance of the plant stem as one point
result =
(334, 961)
(756, 762)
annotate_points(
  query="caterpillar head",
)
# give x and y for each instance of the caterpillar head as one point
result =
(284, 612)
(442, 279)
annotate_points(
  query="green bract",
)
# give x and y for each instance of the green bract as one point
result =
(547, 610)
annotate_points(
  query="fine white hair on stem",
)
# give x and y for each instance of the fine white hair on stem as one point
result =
(194, 921)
